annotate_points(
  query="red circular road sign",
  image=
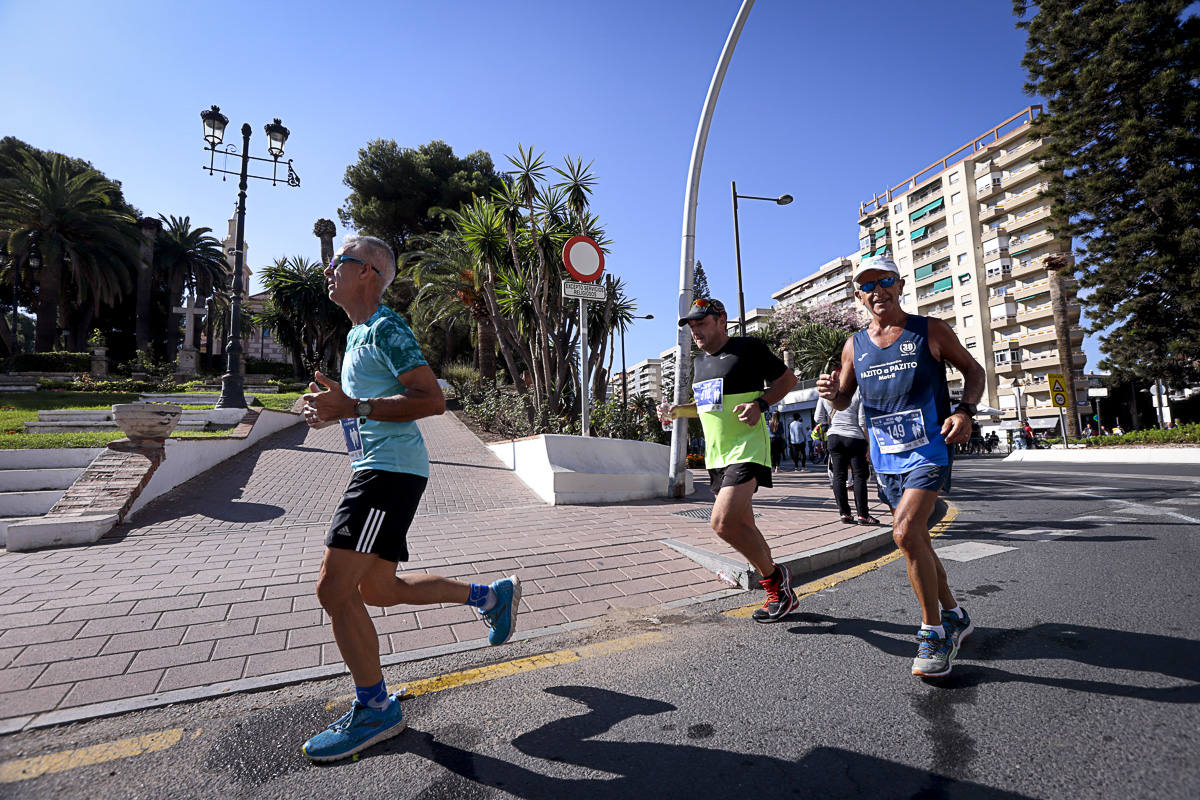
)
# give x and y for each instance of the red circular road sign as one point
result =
(583, 258)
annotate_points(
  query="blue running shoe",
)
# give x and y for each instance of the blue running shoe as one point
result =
(933, 655)
(957, 629)
(502, 619)
(357, 730)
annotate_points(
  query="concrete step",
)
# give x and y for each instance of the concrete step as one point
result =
(29, 504)
(50, 457)
(191, 399)
(193, 419)
(75, 415)
(5, 522)
(25, 480)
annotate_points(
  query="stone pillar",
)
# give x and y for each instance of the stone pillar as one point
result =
(324, 230)
(149, 228)
(99, 362)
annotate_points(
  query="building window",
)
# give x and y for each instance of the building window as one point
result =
(956, 198)
(959, 238)
(958, 217)
(962, 258)
(964, 278)
(903, 262)
(968, 320)
(970, 343)
(966, 300)
(953, 179)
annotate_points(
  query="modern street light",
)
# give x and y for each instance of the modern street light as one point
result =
(232, 389)
(624, 374)
(782, 200)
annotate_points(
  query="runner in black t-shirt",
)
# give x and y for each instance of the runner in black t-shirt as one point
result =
(736, 381)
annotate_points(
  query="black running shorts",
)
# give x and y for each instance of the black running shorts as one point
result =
(743, 472)
(375, 513)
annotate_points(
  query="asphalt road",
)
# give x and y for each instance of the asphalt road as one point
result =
(1082, 680)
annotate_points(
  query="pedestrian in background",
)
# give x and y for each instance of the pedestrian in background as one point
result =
(796, 440)
(778, 440)
(846, 442)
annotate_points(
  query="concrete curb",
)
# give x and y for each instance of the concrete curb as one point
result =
(1109, 455)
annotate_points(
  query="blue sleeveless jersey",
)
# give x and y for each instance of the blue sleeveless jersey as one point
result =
(905, 399)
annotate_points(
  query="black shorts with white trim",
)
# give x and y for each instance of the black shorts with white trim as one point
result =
(375, 513)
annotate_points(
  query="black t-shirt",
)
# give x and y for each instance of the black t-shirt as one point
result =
(746, 364)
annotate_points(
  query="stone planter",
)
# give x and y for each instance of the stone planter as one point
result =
(99, 362)
(146, 423)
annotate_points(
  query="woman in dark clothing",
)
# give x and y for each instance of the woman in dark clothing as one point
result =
(847, 444)
(778, 440)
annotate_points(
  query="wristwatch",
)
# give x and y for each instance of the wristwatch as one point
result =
(362, 408)
(970, 408)
(763, 405)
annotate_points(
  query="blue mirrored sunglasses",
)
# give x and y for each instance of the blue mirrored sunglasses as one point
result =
(883, 283)
(337, 261)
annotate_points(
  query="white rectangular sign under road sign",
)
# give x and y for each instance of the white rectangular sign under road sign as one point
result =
(584, 291)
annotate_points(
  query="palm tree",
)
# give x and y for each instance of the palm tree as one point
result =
(186, 258)
(299, 310)
(68, 218)
(816, 347)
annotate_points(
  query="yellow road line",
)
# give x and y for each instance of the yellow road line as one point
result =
(22, 769)
(812, 588)
(491, 672)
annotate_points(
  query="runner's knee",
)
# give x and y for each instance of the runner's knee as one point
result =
(334, 592)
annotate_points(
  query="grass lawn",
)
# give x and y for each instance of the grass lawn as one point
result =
(17, 408)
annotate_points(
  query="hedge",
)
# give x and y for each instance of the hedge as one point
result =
(52, 362)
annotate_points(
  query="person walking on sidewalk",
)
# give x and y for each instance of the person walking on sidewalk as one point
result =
(736, 380)
(898, 365)
(797, 443)
(386, 386)
(847, 445)
(778, 438)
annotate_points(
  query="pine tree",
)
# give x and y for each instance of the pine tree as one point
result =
(700, 282)
(1122, 83)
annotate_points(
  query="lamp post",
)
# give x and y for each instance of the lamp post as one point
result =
(782, 200)
(232, 389)
(11, 261)
(624, 375)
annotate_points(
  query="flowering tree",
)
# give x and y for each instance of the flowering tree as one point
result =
(787, 322)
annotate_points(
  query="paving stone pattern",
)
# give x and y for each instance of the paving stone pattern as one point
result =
(214, 581)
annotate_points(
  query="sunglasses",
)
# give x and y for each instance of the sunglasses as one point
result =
(882, 283)
(338, 260)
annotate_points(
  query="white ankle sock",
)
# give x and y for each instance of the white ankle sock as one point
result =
(938, 629)
(956, 611)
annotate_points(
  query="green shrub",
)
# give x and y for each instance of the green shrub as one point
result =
(461, 376)
(52, 362)
(1184, 434)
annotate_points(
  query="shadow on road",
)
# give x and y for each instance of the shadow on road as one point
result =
(657, 770)
(1103, 648)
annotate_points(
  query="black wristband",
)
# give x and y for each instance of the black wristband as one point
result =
(968, 408)
(763, 405)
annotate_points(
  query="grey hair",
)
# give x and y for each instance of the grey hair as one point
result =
(378, 249)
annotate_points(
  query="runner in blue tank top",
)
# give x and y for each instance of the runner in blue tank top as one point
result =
(898, 366)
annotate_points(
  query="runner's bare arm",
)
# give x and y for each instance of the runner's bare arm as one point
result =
(945, 346)
(669, 412)
(839, 387)
(423, 398)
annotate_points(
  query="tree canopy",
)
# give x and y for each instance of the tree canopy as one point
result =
(1121, 80)
(397, 193)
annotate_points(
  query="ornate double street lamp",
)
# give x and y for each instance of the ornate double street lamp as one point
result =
(782, 200)
(232, 389)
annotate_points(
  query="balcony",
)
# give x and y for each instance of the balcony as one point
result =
(1004, 315)
(925, 195)
(989, 211)
(930, 296)
(1037, 312)
(996, 248)
(1030, 195)
(940, 272)
(930, 255)
(941, 312)
(1021, 244)
(1027, 147)
(1028, 218)
(1001, 291)
(1008, 366)
(1022, 174)
(997, 273)
(1030, 266)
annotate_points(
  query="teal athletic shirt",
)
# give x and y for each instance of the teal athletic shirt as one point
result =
(376, 352)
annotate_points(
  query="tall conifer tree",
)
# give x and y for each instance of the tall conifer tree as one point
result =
(1122, 83)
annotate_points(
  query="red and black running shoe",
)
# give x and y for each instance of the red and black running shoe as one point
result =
(781, 599)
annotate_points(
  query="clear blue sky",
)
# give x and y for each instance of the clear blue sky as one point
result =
(829, 102)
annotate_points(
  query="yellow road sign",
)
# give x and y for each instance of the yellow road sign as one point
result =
(1058, 389)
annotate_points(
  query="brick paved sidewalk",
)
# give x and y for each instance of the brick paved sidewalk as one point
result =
(211, 588)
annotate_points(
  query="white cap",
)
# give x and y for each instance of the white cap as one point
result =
(881, 263)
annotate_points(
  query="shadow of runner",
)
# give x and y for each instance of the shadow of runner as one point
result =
(1103, 648)
(662, 771)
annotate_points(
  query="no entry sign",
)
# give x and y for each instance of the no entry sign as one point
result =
(583, 258)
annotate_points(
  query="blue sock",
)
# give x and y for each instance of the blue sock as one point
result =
(482, 597)
(375, 697)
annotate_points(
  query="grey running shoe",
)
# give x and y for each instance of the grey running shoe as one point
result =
(957, 629)
(933, 655)
(781, 598)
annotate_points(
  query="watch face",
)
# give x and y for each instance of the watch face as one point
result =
(363, 409)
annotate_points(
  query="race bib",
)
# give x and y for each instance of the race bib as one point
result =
(353, 437)
(710, 394)
(899, 432)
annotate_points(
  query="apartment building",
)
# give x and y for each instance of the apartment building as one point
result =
(970, 234)
(832, 283)
(644, 377)
(756, 320)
